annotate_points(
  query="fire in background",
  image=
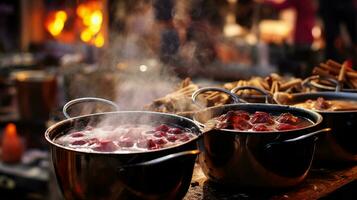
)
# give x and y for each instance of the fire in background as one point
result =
(85, 22)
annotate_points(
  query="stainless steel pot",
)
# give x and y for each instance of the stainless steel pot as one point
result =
(260, 159)
(155, 174)
(340, 145)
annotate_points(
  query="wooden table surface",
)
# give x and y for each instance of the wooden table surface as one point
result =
(320, 183)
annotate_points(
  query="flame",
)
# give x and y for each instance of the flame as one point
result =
(10, 129)
(92, 19)
(56, 22)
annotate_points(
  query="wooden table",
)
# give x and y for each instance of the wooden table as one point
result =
(321, 182)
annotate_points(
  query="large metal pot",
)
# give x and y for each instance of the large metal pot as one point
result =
(270, 159)
(155, 174)
(340, 145)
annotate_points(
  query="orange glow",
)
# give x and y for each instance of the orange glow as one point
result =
(56, 22)
(92, 19)
(10, 129)
(86, 35)
(99, 41)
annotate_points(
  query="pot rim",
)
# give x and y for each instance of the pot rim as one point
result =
(69, 120)
(286, 107)
(348, 95)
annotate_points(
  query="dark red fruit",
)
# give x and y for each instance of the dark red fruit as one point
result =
(287, 118)
(79, 142)
(106, 146)
(241, 124)
(126, 142)
(172, 138)
(77, 134)
(321, 104)
(262, 117)
(184, 138)
(152, 145)
(175, 131)
(162, 127)
(160, 134)
(260, 127)
(283, 126)
(160, 141)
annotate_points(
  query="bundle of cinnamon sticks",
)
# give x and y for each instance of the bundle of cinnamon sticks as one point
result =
(337, 71)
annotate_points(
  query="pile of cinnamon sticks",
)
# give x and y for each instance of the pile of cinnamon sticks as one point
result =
(337, 71)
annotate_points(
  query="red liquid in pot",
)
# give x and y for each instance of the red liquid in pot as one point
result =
(260, 121)
(125, 138)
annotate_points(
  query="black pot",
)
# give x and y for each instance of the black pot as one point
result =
(269, 159)
(340, 145)
(155, 174)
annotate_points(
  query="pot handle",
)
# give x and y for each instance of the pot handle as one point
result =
(299, 138)
(234, 97)
(161, 159)
(267, 95)
(308, 82)
(87, 99)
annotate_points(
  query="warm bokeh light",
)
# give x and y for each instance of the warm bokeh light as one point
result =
(86, 35)
(99, 40)
(91, 16)
(10, 129)
(56, 22)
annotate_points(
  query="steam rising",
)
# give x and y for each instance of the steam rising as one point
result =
(139, 66)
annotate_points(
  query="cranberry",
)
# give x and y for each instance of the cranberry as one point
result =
(175, 131)
(321, 104)
(260, 127)
(77, 134)
(160, 134)
(172, 138)
(126, 142)
(184, 138)
(287, 118)
(152, 145)
(241, 124)
(262, 117)
(283, 126)
(243, 114)
(160, 141)
(79, 142)
(162, 127)
(106, 146)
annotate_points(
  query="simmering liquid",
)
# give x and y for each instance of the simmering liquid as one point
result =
(260, 121)
(320, 104)
(125, 138)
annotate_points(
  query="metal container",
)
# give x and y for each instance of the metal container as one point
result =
(340, 145)
(153, 174)
(257, 159)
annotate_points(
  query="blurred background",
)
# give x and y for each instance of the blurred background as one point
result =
(52, 51)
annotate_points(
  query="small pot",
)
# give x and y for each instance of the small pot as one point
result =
(154, 174)
(340, 145)
(259, 159)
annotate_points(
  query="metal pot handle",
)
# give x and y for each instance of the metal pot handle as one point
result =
(87, 99)
(234, 97)
(267, 95)
(308, 82)
(299, 138)
(161, 159)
